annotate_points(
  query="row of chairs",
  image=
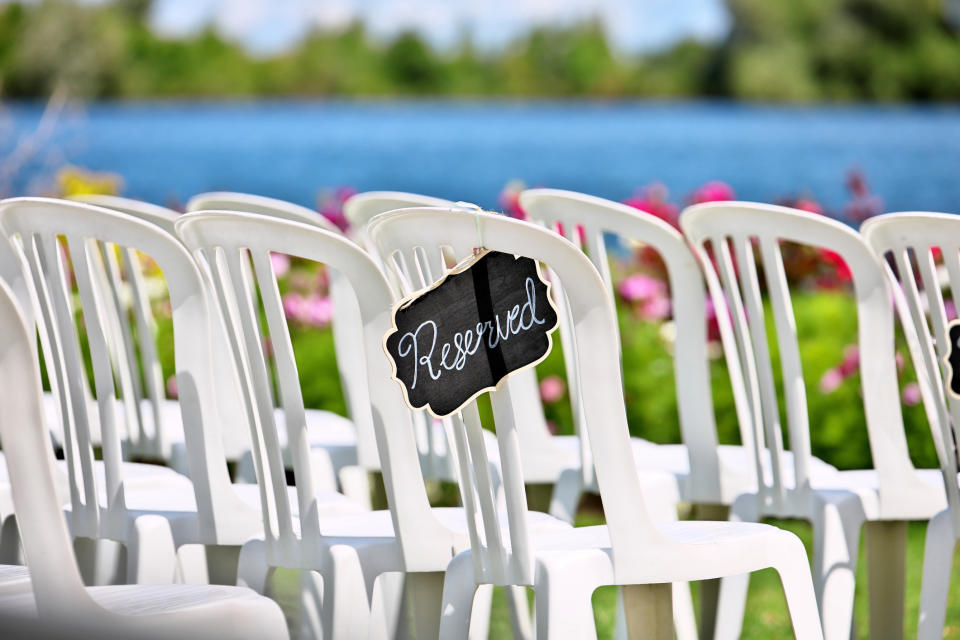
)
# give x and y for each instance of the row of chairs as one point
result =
(224, 301)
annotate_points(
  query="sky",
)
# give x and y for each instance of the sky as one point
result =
(267, 27)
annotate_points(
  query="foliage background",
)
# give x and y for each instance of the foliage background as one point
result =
(796, 51)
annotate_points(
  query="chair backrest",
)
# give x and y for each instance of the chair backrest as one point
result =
(249, 203)
(568, 213)
(55, 579)
(223, 241)
(34, 226)
(416, 246)
(361, 208)
(346, 321)
(912, 239)
(136, 363)
(734, 230)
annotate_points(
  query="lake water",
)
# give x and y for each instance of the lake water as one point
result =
(166, 152)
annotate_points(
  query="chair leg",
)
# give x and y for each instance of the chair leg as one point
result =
(151, 554)
(101, 561)
(192, 564)
(886, 574)
(731, 599)
(425, 594)
(564, 605)
(310, 620)
(837, 520)
(346, 608)
(482, 608)
(355, 484)
(937, 563)
(566, 495)
(709, 589)
(519, 613)
(388, 606)
(456, 608)
(684, 618)
(10, 549)
(791, 565)
(648, 611)
(253, 571)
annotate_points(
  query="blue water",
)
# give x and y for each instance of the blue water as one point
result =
(166, 152)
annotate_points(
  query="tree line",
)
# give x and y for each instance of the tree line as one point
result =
(797, 51)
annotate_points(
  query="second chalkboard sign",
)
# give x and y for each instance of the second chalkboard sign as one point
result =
(462, 336)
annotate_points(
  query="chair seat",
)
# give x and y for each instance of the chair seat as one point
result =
(236, 611)
(173, 501)
(324, 428)
(14, 578)
(373, 524)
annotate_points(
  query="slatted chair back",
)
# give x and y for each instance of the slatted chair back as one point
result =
(736, 233)
(920, 248)
(414, 241)
(223, 241)
(35, 226)
(586, 221)
(55, 579)
(346, 320)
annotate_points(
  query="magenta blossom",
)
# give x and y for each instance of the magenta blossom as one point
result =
(552, 389)
(831, 379)
(713, 191)
(640, 286)
(509, 199)
(911, 394)
(656, 308)
(320, 311)
(172, 387)
(281, 264)
(653, 199)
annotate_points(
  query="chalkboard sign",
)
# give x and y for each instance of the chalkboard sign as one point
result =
(462, 336)
(953, 357)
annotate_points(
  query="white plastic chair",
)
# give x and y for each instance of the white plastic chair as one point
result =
(709, 473)
(436, 451)
(210, 511)
(910, 239)
(349, 553)
(351, 449)
(57, 603)
(884, 497)
(565, 567)
(545, 459)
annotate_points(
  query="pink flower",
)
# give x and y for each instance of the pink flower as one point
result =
(713, 191)
(294, 306)
(319, 311)
(172, 387)
(864, 204)
(509, 199)
(640, 286)
(911, 394)
(851, 360)
(281, 264)
(807, 204)
(552, 389)
(842, 270)
(653, 199)
(656, 308)
(831, 380)
(950, 309)
(552, 427)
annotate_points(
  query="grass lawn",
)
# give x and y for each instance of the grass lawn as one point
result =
(766, 615)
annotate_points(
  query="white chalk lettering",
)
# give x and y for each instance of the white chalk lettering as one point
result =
(420, 345)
